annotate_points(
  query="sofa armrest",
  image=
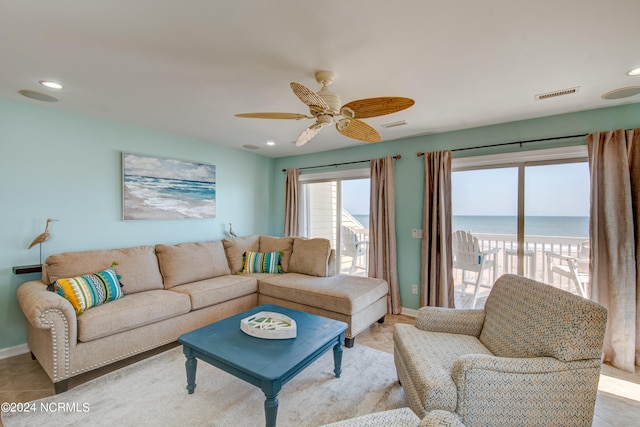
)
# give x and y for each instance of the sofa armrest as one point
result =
(38, 304)
(449, 320)
(563, 391)
(515, 365)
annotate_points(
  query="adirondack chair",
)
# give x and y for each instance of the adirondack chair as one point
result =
(354, 248)
(468, 256)
(575, 268)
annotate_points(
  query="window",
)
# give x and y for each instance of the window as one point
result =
(529, 215)
(335, 206)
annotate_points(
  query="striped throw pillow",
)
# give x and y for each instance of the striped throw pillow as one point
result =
(90, 290)
(262, 262)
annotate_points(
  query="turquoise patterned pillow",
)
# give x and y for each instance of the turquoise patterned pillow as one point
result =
(90, 290)
(262, 262)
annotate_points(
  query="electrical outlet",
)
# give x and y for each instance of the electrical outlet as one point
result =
(416, 233)
(414, 289)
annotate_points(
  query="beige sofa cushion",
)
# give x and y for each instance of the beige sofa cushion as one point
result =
(130, 312)
(219, 289)
(341, 293)
(189, 262)
(310, 256)
(235, 249)
(282, 244)
(137, 266)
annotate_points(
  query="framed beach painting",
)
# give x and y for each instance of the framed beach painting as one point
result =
(163, 188)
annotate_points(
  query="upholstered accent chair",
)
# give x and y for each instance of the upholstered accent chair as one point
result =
(531, 357)
(401, 417)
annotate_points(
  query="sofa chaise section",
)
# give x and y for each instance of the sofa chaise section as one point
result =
(358, 301)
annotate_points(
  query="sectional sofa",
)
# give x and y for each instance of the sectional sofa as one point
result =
(168, 290)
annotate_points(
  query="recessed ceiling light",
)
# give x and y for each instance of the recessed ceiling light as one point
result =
(634, 72)
(38, 96)
(50, 84)
(270, 143)
(623, 92)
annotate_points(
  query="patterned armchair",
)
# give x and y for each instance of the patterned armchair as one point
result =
(531, 357)
(401, 417)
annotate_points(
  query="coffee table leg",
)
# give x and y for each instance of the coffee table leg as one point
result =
(337, 358)
(191, 364)
(271, 410)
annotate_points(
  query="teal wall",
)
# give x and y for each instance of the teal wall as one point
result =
(409, 171)
(68, 167)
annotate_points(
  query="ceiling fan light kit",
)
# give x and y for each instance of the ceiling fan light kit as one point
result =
(326, 107)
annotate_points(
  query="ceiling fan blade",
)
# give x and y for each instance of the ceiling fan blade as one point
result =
(309, 97)
(308, 133)
(357, 129)
(293, 116)
(373, 107)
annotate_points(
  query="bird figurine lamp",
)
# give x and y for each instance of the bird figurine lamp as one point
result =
(231, 232)
(42, 237)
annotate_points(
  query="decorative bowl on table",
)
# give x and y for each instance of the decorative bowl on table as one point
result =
(269, 325)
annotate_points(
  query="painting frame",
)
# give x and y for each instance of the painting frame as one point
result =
(164, 188)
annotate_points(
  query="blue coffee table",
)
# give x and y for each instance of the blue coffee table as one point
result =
(265, 363)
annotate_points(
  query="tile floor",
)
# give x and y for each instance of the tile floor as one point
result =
(618, 402)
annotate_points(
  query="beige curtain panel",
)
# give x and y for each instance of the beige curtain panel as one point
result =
(291, 208)
(382, 230)
(436, 275)
(614, 163)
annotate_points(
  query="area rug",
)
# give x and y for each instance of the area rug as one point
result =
(153, 392)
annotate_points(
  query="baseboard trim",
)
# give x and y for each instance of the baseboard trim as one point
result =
(409, 312)
(13, 351)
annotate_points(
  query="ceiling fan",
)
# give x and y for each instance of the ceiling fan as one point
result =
(324, 106)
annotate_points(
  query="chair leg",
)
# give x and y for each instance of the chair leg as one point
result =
(579, 286)
(475, 293)
(353, 264)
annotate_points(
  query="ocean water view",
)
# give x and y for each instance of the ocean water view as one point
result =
(565, 226)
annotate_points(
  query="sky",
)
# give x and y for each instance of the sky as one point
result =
(355, 196)
(550, 190)
(161, 167)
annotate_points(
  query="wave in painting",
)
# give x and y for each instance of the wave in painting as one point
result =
(148, 197)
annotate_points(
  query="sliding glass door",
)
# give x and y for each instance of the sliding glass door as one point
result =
(484, 219)
(337, 208)
(529, 218)
(556, 231)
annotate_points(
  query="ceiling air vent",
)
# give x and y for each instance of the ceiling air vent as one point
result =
(556, 93)
(393, 124)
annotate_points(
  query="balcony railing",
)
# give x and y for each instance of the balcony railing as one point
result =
(536, 262)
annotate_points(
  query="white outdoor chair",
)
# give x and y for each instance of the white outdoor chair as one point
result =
(575, 268)
(353, 247)
(469, 256)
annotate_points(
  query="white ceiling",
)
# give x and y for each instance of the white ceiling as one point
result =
(188, 66)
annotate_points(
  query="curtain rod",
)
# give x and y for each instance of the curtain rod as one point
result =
(420, 154)
(396, 157)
